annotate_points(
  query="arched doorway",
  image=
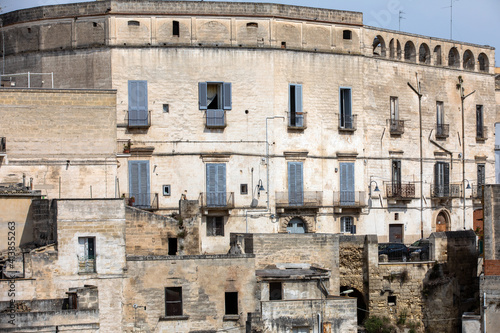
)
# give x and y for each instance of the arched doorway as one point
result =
(296, 226)
(442, 222)
(361, 304)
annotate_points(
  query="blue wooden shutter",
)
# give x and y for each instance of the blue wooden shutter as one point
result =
(295, 184)
(216, 184)
(347, 195)
(226, 96)
(221, 184)
(345, 108)
(139, 183)
(137, 103)
(202, 95)
(299, 116)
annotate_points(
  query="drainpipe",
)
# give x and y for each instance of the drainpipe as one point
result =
(267, 157)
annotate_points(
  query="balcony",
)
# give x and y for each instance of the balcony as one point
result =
(481, 133)
(477, 192)
(297, 120)
(86, 264)
(400, 191)
(347, 123)
(442, 131)
(215, 118)
(146, 201)
(306, 199)
(441, 191)
(137, 119)
(349, 199)
(3, 146)
(217, 200)
(397, 127)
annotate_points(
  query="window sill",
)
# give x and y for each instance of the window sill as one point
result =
(231, 317)
(173, 318)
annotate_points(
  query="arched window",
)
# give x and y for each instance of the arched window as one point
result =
(453, 58)
(410, 52)
(378, 46)
(424, 54)
(468, 60)
(392, 50)
(483, 62)
(296, 226)
(437, 56)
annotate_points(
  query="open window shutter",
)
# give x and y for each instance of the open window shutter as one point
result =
(91, 248)
(299, 178)
(291, 183)
(446, 174)
(221, 184)
(298, 98)
(144, 183)
(142, 103)
(133, 109)
(226, 95)
(347, 101)
(202, 95)
(133, 178)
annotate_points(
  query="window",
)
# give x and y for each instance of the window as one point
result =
(295, 184)
(396, 126)
(346, 118)
(301, 329)
(215, 225)
(243, 188)
(215, 98)
(347, 224)
(394, 108)
(479, 122)
(347, 34)
(134, 23)
(231, 303)
(391, 300)
(173, 301)
(442, 129)
(166, 190)
(296, 116)
(86, 254)
(216, 185)
(275, 291)
(396, 178)
(175, 28)
(441, 179)
(172, 246)
(347, 195)
(139, 184)
(481, 174)
(138, 103)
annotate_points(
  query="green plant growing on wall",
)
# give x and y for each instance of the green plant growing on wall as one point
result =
(376, 324)
(402, 317)
(181, 234)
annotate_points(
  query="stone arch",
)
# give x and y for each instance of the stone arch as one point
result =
(392, 50)
(378, 46)
(410, 51)
(453, 57)
(437, 56)
(468, 60)
(442, 220)
(424, 54)
(309, 222)
(483, 61)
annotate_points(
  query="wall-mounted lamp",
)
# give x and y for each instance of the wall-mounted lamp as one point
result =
(468, 185)
(370, 186)
(260, 187)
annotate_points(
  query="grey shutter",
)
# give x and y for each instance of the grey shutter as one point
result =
(291, 183)
(137, 103)
(211, 184)
(481, 175)
(479, 121)
(347, 108)
(446, 179)
(139, 183)
(221, 184)
(438, 186)
(132, 102)
(347, 195)
(299, 116)
(216, 185)
(295, 184)
(202, 95)
(226, 95)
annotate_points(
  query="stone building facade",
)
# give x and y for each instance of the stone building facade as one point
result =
(274, 118)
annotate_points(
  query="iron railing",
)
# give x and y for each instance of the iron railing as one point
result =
(148, 201)
(446, 190)
(140, 120)
(347, 123)
(3, 144)
(86, 264)
(353, 199)
(397, 126)
(215, 118)
(481, 132)
(222, 200)
(400, 190)
(299, 199)
(297, 120)
(442, 131)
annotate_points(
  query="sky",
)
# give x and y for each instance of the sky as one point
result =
(473, 21)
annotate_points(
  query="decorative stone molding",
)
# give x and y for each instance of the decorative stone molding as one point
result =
(309, 221)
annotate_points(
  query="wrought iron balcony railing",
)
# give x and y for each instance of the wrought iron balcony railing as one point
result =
(354, 199)
(400, 190)
(215, 118)
(297, 120)
(347, 123)
(147, 201)
(218, 200)
(299, 199)
(446, 191)
(86, 264)
(138, 119)
(397, 127)
(442, 131)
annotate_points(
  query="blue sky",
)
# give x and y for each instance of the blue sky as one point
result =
(473, 21)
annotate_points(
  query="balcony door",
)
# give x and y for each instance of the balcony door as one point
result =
(295, 184)
(442, 179)
(347, 196)
(139, 183)
(396, 178)
(216, 185)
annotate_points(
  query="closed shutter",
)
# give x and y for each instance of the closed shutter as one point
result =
(347, 195)
(202, 95)
(446, 179)
(139, 183)
(226, 95)
(295, 184)
(138, 103)
(216, 185)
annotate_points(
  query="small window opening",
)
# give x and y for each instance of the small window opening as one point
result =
(243, 188)
(173, 301)
(231, 303)
(391, 300)
(165, 108)
(215, 225)
(252, 25)
(396, 216)
(29, 30)
(94, 24)
(283, 45)
(72, 301)
(347, 34)
(175, 28)
(134, 23)
(166, 190)
(275, 291)
(172, 246)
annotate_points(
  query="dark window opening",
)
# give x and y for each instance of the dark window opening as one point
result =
(437, 55)
(215, 225)
(172, 246)
(94, 24)
(243, 189)
(481, 175)
(391, 300)
(175, 28)
(252, 25)
(275, 291)
(346, 117)
(29, 30)
(173, 301)
(483, 62)
(231, 303)
(453, 58)
(347, 34)
(165, 108)
(72, 301)
(295, 101)
(134, 23)
(479, 122)
(283, 45)
(396, 216)
(346, 224)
